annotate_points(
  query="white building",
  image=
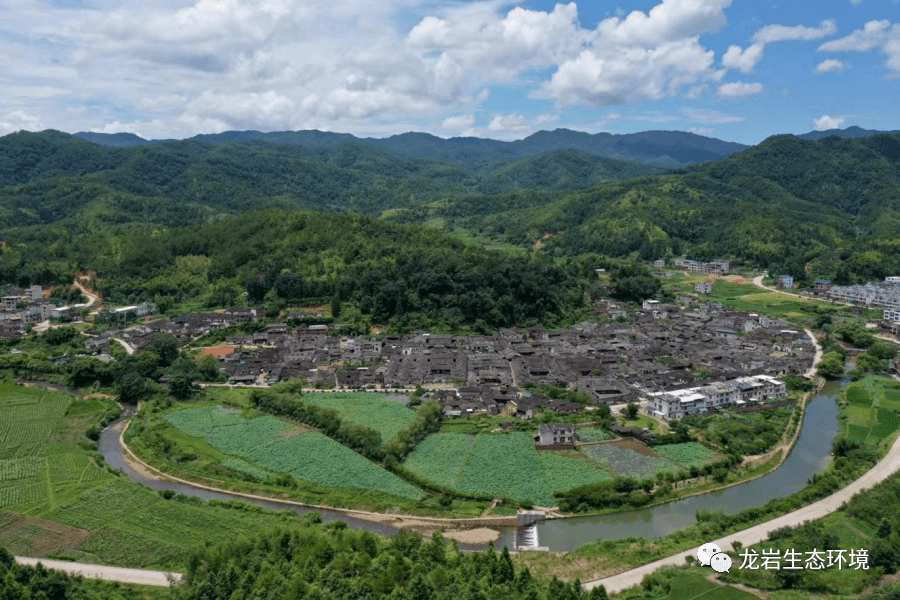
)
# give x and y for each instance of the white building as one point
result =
(675, 404)
(703, 288)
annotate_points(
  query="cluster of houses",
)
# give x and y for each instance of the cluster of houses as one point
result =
(884, 295)
(612, 360)
(22, 307)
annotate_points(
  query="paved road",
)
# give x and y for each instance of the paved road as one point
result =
(757, 281)
(758, 533)
(136, 576)
(128, 348)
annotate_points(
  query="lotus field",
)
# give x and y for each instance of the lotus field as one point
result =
(278, 447)
(501, 465)
(384, 415)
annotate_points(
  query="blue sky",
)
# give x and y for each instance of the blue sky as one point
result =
(733, 69)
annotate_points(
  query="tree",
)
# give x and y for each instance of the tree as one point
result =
(132, 387)
(336, 306)
(831, 365)
(182, 374)
(631, 411)
(208, 368)
(165, 345)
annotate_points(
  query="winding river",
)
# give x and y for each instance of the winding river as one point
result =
(810, 455)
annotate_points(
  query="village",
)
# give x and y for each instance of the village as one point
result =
(623, 356)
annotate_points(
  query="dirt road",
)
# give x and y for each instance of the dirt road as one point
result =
(811, 372)
(758, 533)
(136, 576)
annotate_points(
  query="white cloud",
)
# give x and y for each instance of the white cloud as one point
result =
(644, 56)
(743, 60)
(708, 116)
(703, 130)
(739, 89)
(856, 2)
(17, 120)
(826, 122)
(874, 34)
(830, 66)
(781, 33)
(458, 123)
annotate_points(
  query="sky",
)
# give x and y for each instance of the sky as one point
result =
(738, 70)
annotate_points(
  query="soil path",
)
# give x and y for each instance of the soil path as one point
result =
(135, 576)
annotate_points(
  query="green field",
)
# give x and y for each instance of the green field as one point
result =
(56, 498)
(385, 416)
(278, 447)
(872, 415)
(688, 455)
(592, 434)
(501, 465)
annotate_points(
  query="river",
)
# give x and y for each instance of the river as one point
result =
(810, 455)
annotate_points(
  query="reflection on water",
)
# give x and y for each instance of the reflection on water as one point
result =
(810, 455)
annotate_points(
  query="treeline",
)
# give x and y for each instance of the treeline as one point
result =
(360, 438)
(337, 563)
(628, 492)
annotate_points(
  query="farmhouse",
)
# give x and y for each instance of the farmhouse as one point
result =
(676, 404)
(555, 435)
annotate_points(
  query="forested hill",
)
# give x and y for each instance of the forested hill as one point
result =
(48, 176)
(408, 276)
(810, 208)
(667, 148)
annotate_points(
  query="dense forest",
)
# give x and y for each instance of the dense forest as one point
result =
(199, 223)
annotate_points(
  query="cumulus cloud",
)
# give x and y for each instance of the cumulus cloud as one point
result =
(744, 60)
(458, 123)
(874, 34)
(17, 120)
(826, 122)
(739, 89)
(830, 66)
(643, 56)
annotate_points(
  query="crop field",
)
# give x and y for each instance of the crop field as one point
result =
(385, 416)
(501, 465)
(629, 459)
(37, 470)
(592, 434)
(280, 447)
(690, 454)
(873, 415)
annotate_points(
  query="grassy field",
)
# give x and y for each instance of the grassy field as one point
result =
(592, 434)
(872, 412)
(275, 446)
(58, 499)
(688, 585)
(501, 465)
(384, 415)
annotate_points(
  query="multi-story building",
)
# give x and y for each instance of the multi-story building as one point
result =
(676, 404)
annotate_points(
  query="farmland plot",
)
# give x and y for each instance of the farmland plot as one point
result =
(690, 454)
(280, 447)
(385, 416)
(501, 465)
(630, 459)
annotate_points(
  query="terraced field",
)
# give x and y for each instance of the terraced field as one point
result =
(501, 465)
(628, 458)
(384, 415)
(690, 454)
(279, 447)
